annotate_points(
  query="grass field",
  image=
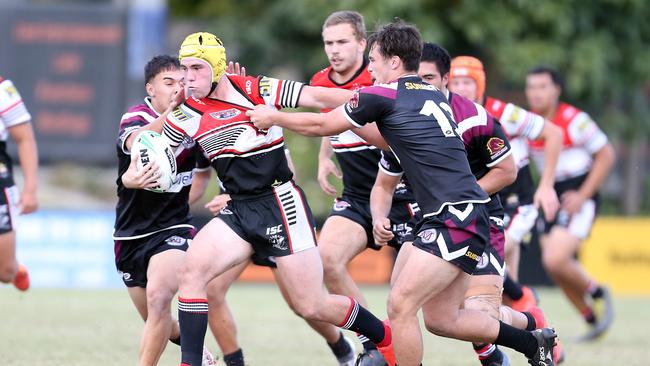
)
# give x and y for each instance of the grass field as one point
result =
(86, 327)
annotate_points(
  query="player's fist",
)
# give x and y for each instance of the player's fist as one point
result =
(381, 231)
(262, 116)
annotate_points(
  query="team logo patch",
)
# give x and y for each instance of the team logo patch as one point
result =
(265, 87)
(227, 114)
(340, 205)
(496, 146)
(514, 115)
(126, 276)
(278, 241)
(354, 100)
(176, 241)
(483, 261)
(428, 235)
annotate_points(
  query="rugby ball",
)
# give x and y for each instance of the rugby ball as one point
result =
(151, 146)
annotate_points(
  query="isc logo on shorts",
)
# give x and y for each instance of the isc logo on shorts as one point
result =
(176, 241)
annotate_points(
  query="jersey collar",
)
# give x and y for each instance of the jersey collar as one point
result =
(147, 101)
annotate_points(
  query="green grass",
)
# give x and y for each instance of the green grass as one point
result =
(86, 327)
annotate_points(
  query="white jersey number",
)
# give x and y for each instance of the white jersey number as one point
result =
(430, 108)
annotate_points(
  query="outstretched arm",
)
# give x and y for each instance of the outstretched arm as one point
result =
(322, 98)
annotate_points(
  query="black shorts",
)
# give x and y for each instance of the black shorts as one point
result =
(459, 234)
(492, 260)
(132, 256)
(8, 208)
(358, 210)
(276, 224)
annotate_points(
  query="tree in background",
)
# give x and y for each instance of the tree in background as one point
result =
(601, 47)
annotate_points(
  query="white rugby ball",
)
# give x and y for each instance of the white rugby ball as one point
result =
(151, 146)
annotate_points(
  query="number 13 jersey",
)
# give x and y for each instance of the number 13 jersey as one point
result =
(416, 121)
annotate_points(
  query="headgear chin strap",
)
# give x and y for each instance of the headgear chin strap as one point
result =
(207, 47)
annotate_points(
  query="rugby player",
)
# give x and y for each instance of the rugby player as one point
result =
(414, 119)
(520, 200)
(585, 161)
(15, 121)
(153, 230)
(348, 229)
(267, 214)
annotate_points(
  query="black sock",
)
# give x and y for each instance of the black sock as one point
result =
(340, 348)
(517, 339)
(512, 289)
(193, 321)
(362, 321)
(488, 353)
(532, 323)
(176, 341)
(234, 359)
(368, 345)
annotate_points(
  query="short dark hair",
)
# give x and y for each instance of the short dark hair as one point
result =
(552, 72)
(158, 64)
(432, 52)
(399, 39)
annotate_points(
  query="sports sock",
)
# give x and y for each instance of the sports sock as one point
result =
(532, 323)
(340, 348)
(366, 343)
(176, 341)
(362, 321)
(487, 353)
(193, 321)
(512, 288)
(595, 290)
(517, 339)
(234, 359)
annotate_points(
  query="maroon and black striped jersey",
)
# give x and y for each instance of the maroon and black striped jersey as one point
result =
(248, 161)
(139, 212)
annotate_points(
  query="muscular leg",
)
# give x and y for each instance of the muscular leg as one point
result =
(214, 250)
(341, 239)
(220, 318)
(162, 284)
(402, 258)
(138, 296)
(558, 250)
(513, 254)
(8, 263)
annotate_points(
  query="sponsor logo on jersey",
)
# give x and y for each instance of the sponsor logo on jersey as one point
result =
(271, 230)
(340, 205)
(428, 235)
(496, 146)
(176, 241)
(417, 86)
(265, 86)
(249, 85)
(180, 115)
(227, 114)
(482, 261)
(11, 90)
(514, 115)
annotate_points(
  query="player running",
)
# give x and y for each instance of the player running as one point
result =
(520, 200)
(414, 119)
(268, 213)
(15, 122)
(585, 161)
(348, 229)
(153, 230)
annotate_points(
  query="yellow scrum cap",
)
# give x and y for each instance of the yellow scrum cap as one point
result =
(207, 47)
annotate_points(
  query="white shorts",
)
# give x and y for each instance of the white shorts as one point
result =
(521, 222)
(580, 223)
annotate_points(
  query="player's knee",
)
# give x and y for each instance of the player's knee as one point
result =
(552, 262)
(306, 309)
(397, 306)
(159, 302)
(332, 265)
(436, 325)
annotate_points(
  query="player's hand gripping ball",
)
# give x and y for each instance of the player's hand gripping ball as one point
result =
(151, 146)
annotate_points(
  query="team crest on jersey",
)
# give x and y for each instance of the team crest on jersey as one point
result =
(496, 146)
(11, 90)
(278, 241)
(354, 100)
(227, 114)
(482, 261)
(514, 115)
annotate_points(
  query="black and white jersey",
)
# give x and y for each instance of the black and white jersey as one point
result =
(415, 119)
(248, 161)
(12, 113)
(140, 213)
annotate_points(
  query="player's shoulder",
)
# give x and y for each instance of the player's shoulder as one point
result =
(464, 109)
(139, 112)
(495, 106)
(567, 113)
(386, 90)
(321, 78)
(246, 84)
